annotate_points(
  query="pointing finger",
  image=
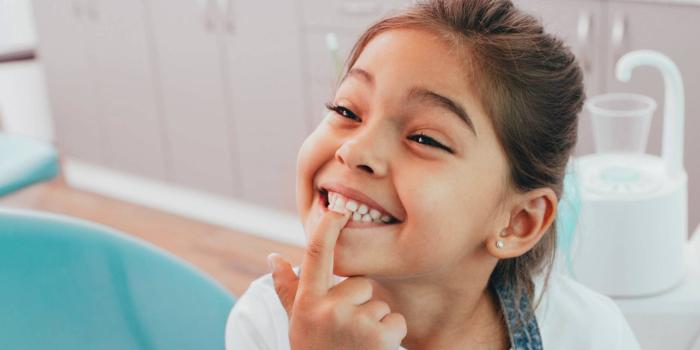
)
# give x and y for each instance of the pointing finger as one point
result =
(318, 259)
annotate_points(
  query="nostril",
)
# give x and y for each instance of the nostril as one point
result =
(366, 168)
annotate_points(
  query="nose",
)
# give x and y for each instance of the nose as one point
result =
(367, 150)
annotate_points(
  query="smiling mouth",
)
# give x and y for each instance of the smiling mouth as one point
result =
(355, 219)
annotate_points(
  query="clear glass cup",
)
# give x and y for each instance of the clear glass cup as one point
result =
(621, 121)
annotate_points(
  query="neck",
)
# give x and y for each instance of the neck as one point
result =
(449, 309)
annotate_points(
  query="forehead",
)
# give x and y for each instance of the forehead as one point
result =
(418, 57)
(401, 60)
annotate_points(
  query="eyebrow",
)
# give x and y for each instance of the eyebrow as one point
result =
(420, 93)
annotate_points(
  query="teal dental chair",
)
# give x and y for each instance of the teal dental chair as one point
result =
(568, 212)
(25, 161)
(71, 284)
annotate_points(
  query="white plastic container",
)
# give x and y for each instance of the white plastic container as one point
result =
(633, 221)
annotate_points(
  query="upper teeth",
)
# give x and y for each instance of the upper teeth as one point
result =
(361, 211)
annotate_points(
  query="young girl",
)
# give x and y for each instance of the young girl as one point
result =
(428, 194)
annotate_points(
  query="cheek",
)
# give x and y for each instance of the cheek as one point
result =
(445, 221)
(314, 152)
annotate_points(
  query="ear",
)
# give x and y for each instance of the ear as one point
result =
(531, 215)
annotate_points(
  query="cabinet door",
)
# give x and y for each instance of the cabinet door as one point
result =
(123, 69)
(64, 56)
(189, 51)
(578, 23)
(268, 102)
(672, 30)
(346, 19)
(322, 68)
(353, 15)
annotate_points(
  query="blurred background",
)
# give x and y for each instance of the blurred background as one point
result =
(178, 122)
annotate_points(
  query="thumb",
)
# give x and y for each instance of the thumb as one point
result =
(286, 281)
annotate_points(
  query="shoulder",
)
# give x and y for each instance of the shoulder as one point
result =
(258, 319)
(571, 315)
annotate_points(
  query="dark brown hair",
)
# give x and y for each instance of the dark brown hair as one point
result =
(531, 87)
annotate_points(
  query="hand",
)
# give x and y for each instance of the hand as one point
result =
(324, 316)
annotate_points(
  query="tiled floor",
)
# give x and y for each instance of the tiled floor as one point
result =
(233, 258)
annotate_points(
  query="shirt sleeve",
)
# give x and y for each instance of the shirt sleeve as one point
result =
(253, 323)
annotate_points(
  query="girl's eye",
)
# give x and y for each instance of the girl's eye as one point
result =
(346, 113)
(420, 138)
(427, 140)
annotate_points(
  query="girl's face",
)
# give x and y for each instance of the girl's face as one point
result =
(445, 187)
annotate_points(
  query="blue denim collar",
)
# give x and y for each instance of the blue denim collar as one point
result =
(523, 331)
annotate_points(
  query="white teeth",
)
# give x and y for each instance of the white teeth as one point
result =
(362, 209)
(351, 205)
(361, 212)
(338, 204)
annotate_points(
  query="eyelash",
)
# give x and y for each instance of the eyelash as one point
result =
(340, 110)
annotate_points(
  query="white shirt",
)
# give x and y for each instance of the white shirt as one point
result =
(570, 316)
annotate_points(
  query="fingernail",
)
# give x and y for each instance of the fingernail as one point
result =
(271, 261)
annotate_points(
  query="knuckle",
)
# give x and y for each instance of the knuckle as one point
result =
(382, 307)
(375, 310)
(315, 248)
(304, 316)
(305, 302)
(364, 319)
(280, 288)
(401, 326)
(364, 282)
(331, 312)
(337, 313)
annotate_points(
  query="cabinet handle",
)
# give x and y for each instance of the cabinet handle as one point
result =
(77, 8)
(359, 8)
(230, 18)
(91, 9)
(208, 8)
(583, 34)
(617, 36)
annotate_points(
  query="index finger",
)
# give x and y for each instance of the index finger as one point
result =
(317, 265)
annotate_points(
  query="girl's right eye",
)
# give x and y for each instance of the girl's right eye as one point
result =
(344, 112)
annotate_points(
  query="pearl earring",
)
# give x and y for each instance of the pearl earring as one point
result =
(500, 244)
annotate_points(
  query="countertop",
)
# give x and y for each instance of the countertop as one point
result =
(670, 320)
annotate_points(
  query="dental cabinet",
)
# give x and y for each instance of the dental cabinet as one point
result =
(600, 32)
(217, 95)
(100, 83)
(206, 95)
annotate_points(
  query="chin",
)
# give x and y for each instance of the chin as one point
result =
(353, 262)
(346, 264)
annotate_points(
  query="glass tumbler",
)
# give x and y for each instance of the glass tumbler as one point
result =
(621, 121)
